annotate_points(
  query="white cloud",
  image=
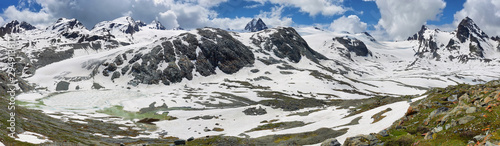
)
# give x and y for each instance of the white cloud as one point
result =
(206, 3)
(486, 14)
(2, 21)
(274, 18)
(168, 19)
(312, 7)
(402, 18)
(351, 24)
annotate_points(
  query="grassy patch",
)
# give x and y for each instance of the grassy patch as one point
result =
(280, 125)
(118, 111)
(379, 116)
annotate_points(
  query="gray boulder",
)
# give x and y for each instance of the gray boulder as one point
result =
(465, 119)
(62, 86)
(363, 140)
(331, 142)
(115, 75)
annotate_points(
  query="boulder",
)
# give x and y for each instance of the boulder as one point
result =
(96, 86)
(180, 142)
(383, 133)
(471, 110)
(452, 98)
(465, 119)
(62, 86)
(362, 140)
(331, 142)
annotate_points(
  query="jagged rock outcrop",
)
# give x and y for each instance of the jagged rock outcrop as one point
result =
(205, 51)
(468, 31)
(15, 27)
(69, 28)
(156, 25)
(354, 45)
(125, 25)
(256, 25)
(467, 42)
(427, 42)
(285, 42)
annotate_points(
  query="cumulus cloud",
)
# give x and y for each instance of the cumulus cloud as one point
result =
(2, 21)
(312, 7)
(402, 18)
(168, 19)
(486, 14)
(351, 24)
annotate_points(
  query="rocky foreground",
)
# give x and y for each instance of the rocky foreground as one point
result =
(455, 115)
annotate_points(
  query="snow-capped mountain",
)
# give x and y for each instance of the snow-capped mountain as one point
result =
(219, 73)
(156, 25)
(467, 42)
(256, 25)
(15, 27)
(125, 25)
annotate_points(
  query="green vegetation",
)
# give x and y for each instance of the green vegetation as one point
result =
(305, 138)
(451, 116)
(119, 112)
(280, 125)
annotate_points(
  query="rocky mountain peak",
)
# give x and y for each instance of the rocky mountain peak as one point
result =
(66, 24)
(467, 29)
(124, 24)
(15, 27)
(420, 34)
(156, 25)
(256, 25)
(141, 23)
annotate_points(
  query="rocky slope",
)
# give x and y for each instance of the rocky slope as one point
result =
(455, 115)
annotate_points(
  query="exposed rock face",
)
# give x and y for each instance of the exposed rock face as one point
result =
(256, 25)
(49, 55)
(205, 51)
(255, 111)
(286, 43)
(125, 25)
(156, 25)
(354, 45)
(15, 27)
(468, 29)
(467, 34)
(63, 24)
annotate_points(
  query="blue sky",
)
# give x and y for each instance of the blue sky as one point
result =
(388, 18)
